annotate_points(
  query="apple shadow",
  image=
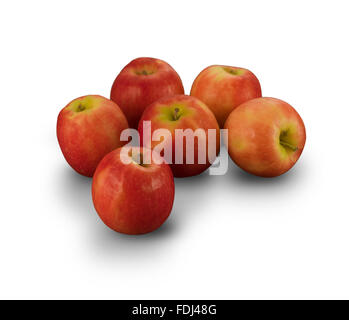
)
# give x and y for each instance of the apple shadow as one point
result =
(190, 189)
(74, 190)
(244, 191)
(131, 251)
(238, 176)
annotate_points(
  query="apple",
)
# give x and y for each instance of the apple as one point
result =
(223, 88)
(266, 136)
(88, 128)
(140, 83)
(130, 196)
(176, 115)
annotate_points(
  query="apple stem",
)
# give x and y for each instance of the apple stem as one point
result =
(176, 114)
(288, 145)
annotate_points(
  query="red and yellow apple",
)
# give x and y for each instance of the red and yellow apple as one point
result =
(266, 136)
(183, 114)
(130, 196)
(88, 128)
(223, 88)
(142, 82)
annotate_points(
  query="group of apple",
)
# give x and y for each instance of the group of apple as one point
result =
(265, 136)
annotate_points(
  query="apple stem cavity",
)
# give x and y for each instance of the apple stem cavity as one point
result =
(80, 108)
(284, 140)
(144, 72)
(234, 72)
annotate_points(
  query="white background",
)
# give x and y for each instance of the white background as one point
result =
(231, 236)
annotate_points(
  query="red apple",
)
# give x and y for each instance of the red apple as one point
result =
(88, 128)
(140, 83)
(266, 136)
(179, 113)
(132, 197)
(223, 88)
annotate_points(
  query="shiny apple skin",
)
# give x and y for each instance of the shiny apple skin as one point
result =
(196, 116)
(86, 136)
(140, 83)
(130, 198)
(223, 88)
(266, 136)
